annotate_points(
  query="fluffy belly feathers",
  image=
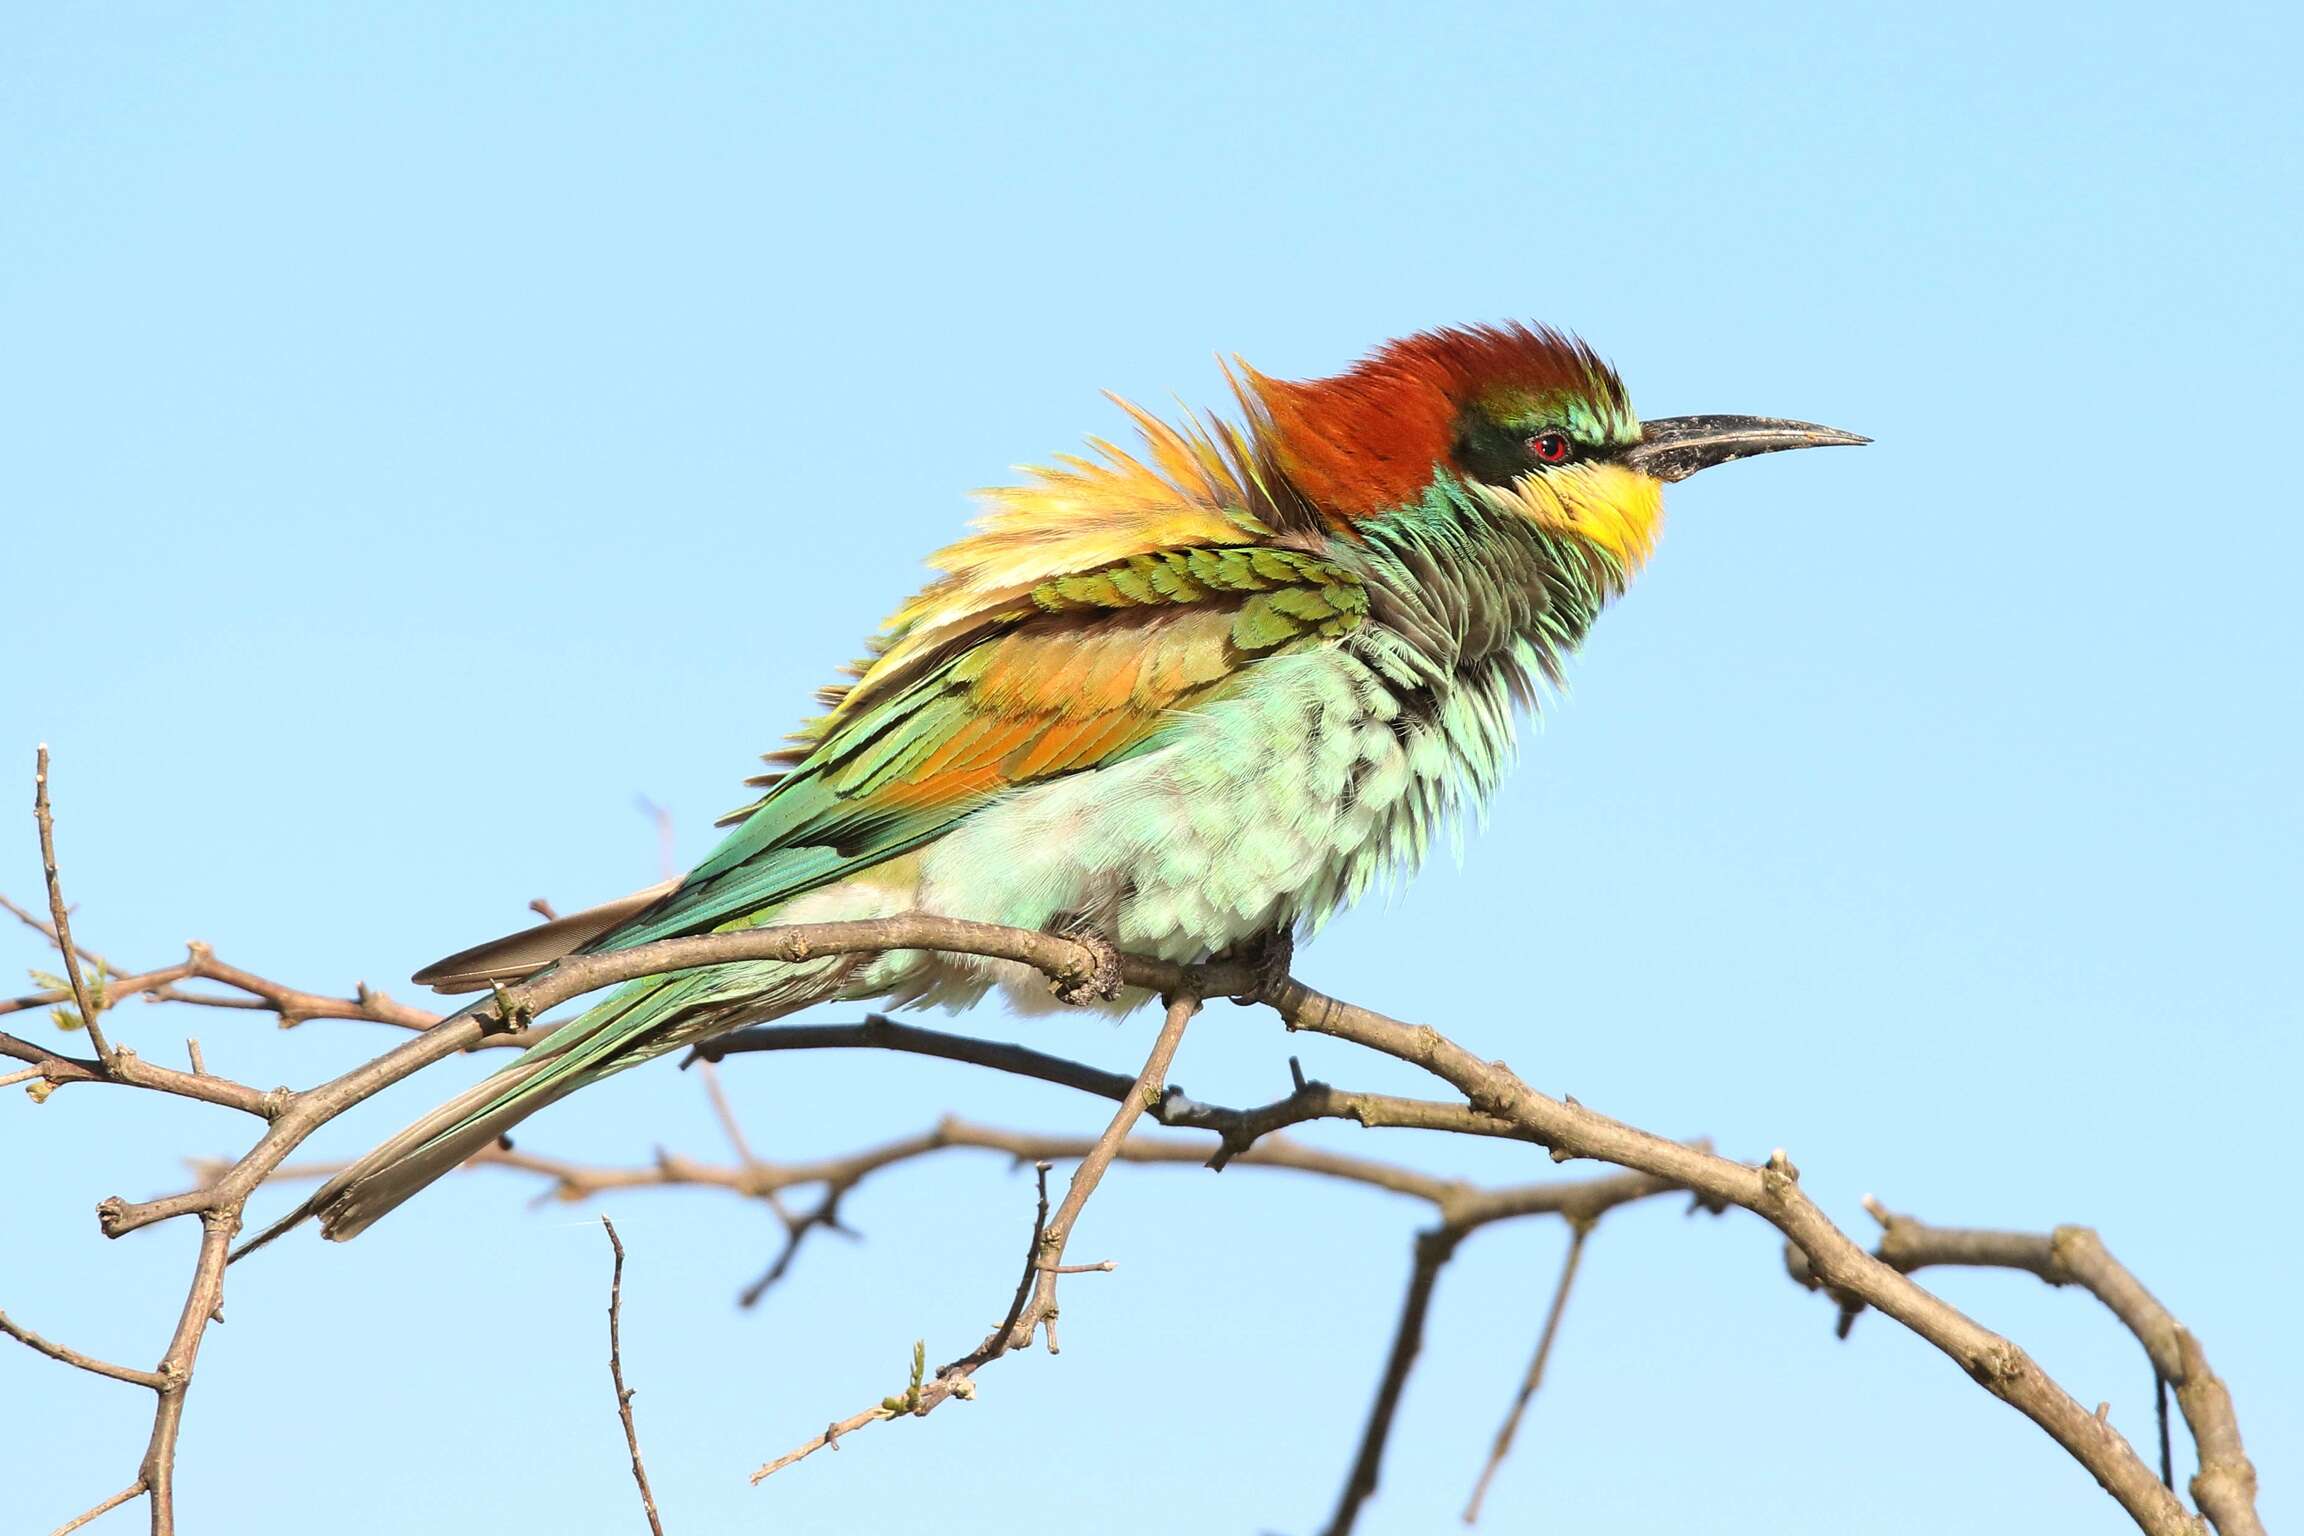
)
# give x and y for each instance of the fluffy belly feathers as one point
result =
(1268, 809)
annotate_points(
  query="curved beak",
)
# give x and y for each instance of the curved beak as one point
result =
(1675, 447)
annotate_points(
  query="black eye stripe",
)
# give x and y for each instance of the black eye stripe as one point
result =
(1499, 453)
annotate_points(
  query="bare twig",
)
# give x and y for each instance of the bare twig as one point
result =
(105, 1508)
(1467, 1205)
(1578, 1231)
(1582, 1202)
(1025, 1280)
(1773, 1192)
(127, 1068)
(1238, 1128)
(1496, 1102)
(957, 1379)
(1434, 1248)
(1150, 1086)
(59, 914)
(616, 1374)
(55, 1351)
(2225, 1485)
(47, 930)
(725, 1113)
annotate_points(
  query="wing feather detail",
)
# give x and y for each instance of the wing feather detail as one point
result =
(1081, 669)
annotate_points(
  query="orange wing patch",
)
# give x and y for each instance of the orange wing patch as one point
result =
(1057, 698)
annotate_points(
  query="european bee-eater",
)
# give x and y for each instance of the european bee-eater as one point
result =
(1190, 699)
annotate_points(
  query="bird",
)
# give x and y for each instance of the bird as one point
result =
(1189, 699)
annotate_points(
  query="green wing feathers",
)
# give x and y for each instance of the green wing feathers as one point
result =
(1084, 670)
(1079, 670)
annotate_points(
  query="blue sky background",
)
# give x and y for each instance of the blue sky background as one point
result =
(426, 429)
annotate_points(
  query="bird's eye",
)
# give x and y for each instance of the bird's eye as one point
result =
(1550, 447)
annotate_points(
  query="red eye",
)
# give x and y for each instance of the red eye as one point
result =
(1549, 447)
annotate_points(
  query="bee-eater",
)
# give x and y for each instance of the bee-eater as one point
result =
(1191, 700)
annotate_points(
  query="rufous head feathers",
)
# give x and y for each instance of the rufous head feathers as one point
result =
(1370, 438)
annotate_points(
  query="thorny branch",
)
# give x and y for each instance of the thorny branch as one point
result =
(1493, 1101)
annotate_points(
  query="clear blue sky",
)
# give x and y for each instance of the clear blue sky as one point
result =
(424, 430)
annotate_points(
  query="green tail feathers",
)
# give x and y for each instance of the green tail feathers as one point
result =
(641, 1021)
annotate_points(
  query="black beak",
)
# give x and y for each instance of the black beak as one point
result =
(1677, 446)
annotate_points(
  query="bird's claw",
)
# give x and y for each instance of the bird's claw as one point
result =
(1269, 957)
(1101, 983)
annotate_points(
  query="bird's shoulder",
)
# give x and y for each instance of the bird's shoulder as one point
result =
(1095, 604)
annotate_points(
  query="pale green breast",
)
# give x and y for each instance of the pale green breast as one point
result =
(1322, 772)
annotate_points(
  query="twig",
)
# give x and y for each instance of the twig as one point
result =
(725, 1113)
(1149, 1088)
(58, 913)
(1466, 1205)
(47, 930)
(1582, 1202)
(616, 1374)
(1434, 1248)
(55, 1351)
(1497, 1102)
(105, 1508)
(1024, 1281)
(1773, 1192)
(128, 1069)
(957, 1378)
(1239, 1128)
(1578, 1231)
(2225, 1485)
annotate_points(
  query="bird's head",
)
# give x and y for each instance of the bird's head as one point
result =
(1532, 421)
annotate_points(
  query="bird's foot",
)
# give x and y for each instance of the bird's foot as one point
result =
(1269, 956)
(1101, 981)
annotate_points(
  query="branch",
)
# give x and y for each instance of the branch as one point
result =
(58, 913)
(1150, 1087)
(104, 1508)
(1050, 1235)
(1239, 1129)
(616, 1375)
(1772, 1192)
(1007, 1328)
(73, 1357)
(2225, 1485)
(1497, 1102)
(1433, 1249)
(1577, 1233)
(1583, 1202)
(1578, 1200)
